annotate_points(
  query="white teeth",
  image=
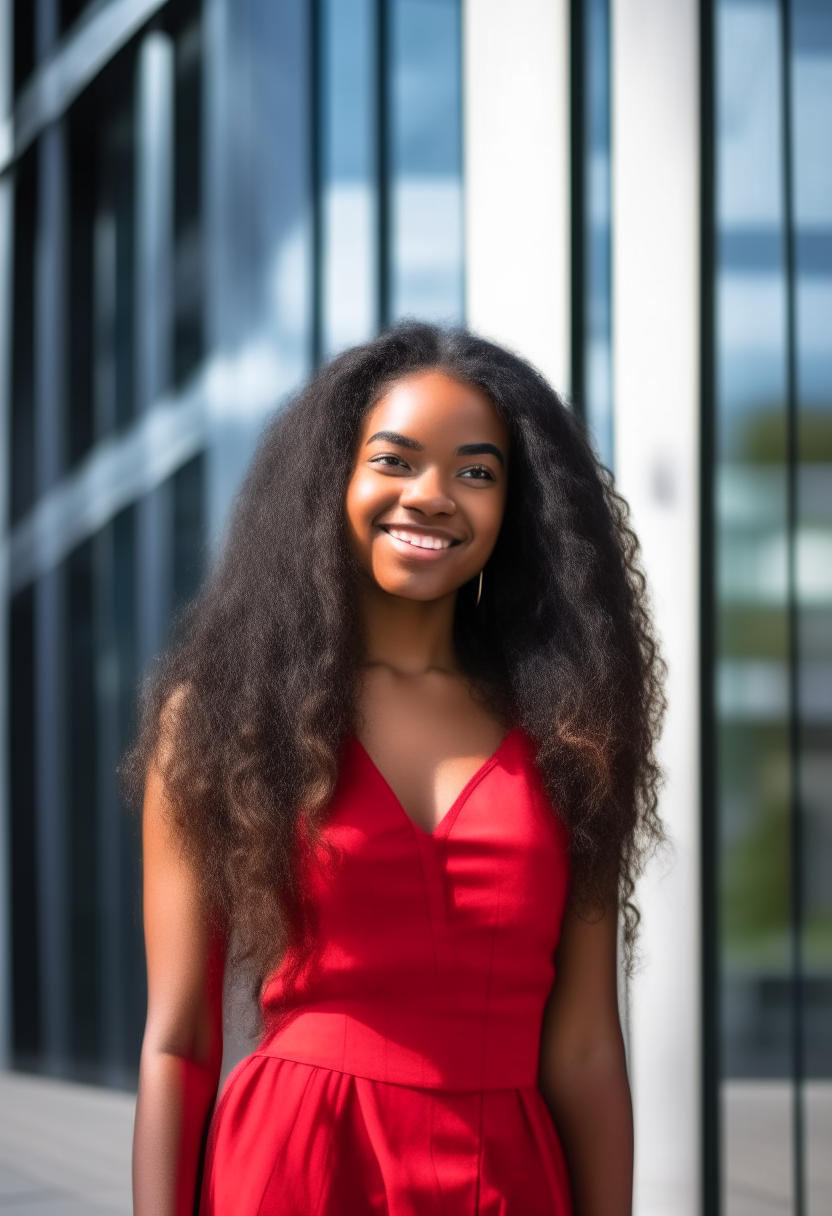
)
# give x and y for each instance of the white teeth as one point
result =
(418, 540)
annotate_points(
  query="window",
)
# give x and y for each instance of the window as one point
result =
(591, 221)
(22, 422)
(81, 718)
(348, 170)
(23, 19)
(69, 11)
(101, 281)
(188, 531)
(188, 279)
(26, 1027)
(424, 160)
(772, 454)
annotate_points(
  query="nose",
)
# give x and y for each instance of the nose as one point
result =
(427, 495)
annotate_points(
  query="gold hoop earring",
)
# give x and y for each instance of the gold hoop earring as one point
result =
(479, 593)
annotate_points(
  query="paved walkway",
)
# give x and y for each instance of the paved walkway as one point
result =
(64, 1149)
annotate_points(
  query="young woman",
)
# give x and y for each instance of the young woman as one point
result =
(398, 769)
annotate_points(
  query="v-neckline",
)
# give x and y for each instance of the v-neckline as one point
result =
(445, 824)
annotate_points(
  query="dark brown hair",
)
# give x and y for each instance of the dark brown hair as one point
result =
(258, 691)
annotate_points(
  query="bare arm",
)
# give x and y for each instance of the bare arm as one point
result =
(182, 1048)
(583, 1075)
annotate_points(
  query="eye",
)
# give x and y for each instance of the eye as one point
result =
(388, 460)
(479, 472)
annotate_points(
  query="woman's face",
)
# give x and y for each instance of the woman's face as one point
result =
(428, 488)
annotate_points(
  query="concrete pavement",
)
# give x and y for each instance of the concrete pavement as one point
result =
(64, 1148)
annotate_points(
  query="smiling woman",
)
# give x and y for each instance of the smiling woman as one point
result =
(398, 767)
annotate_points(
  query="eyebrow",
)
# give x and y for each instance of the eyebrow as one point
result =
(400, 441)
(467, 449)
(481, 449)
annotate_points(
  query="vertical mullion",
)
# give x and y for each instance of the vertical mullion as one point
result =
(795, 808)
(49, 381)
(711, 1122)
(51, 818)
(317, 111)
(578, 203)
(384, 75)
(106, 691)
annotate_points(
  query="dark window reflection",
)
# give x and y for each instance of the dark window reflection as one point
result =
(82, 807)
(123, 634)
(23, 20)
(188, 277)
(101, 313)
(26, 1023)
(188, 530)
(22, 455)
(68, 10)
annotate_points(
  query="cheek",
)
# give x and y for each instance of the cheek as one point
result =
(364, 501)
(488, 518)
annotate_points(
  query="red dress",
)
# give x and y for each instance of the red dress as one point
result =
(402, 1080)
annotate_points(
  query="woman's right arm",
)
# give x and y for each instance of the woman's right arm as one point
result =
(182, 1048)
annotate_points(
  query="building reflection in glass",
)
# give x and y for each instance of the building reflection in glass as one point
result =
(774, 587)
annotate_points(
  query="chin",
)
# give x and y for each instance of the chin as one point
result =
(420, 593)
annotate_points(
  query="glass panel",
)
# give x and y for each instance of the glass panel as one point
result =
(259, 171)
(101, 320)
(82, 811)
(124, 638)
(811, 125)
(349, 269)
(188, 549)
(23, 19)
(425, 159)
(22, 462)
(597, 352)
(753, 759)
(188, 259)
(69, 11)
(26, 1028)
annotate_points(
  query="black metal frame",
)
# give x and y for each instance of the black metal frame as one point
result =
(792, 456)
(711, 1121)
(577, 118)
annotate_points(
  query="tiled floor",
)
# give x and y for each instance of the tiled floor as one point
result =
(64, 1149)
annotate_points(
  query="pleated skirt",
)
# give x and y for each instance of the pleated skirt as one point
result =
(289, 1139)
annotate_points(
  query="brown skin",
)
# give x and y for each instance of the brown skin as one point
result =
(428, 734)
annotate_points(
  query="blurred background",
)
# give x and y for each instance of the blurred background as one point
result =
(200, 200)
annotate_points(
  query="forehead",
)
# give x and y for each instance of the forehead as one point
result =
(434, 407)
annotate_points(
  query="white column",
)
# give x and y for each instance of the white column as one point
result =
(516, 163)
(655, 136)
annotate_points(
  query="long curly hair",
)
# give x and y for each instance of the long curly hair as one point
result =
(247, 711)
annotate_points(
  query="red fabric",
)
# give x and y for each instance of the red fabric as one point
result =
(402, 1076)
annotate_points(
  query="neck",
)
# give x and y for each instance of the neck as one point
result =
(410, 636)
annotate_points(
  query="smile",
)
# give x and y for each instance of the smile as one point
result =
(419, 540)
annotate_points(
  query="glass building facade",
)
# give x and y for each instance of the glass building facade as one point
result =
(772, 580)
(217, 195)
(200, 200)
(592, 220)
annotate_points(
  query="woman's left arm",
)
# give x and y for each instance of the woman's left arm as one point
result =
(583, 1072)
